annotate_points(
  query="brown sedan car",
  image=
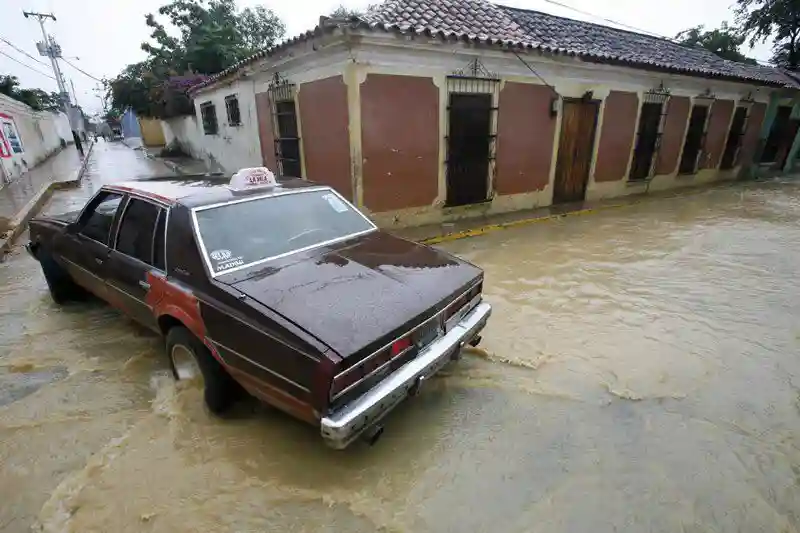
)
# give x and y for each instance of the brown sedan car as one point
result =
(284, 289)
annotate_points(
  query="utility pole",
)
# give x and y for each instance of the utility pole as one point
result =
(49, 48)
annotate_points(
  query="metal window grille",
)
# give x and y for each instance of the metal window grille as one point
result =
(706, 99)
(287, 133)
(208, 115)
(469, 151)
(232, 110)
(733, 144)
(652, 119)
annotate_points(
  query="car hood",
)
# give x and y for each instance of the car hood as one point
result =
(353, 296)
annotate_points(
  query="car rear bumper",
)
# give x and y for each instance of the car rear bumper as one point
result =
(342, 427)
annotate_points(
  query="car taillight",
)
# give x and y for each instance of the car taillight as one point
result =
(343, 382)
(399, 346)
(376, 361)
(369, 366)
(476, 290)
(462, 300)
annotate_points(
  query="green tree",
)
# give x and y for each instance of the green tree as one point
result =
(198, 37)
(343, 12)
(760, 20)
(724, 42)
(35, 98)
(213, 35)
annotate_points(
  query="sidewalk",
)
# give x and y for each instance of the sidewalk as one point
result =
(479, 225)
(21, 199)
(179, 165)
(15, 196)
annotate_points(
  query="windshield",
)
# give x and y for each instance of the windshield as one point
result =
(237, 235)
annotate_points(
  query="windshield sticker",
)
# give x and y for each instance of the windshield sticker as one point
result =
(335, 203)
(227, 264)
(220, 255)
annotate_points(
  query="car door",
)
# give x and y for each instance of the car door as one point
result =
(84, 248)
(137, 251)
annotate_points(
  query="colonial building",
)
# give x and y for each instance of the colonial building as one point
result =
(432, 110)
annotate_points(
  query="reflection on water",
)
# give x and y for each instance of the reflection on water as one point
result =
(640, 373)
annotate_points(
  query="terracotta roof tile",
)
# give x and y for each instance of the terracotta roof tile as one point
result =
(492, 24)
(592, 42)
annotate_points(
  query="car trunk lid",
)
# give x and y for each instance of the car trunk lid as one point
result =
(356, 295)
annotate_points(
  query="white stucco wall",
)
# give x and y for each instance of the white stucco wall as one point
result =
(40, 132)
(235, 147)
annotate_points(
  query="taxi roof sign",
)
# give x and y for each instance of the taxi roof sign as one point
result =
(250, 178)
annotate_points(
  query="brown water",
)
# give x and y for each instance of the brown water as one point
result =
(641, 372)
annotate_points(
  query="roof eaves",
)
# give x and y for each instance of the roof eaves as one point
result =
(587, 56)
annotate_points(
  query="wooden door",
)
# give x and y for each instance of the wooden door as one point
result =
(786, 143)
(575, 150)
(468, 148)
(734, 140)
(695, 140)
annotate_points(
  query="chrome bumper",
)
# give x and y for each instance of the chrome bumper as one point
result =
(341, 428)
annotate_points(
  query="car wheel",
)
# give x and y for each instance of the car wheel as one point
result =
(191, 360)
(62, 288)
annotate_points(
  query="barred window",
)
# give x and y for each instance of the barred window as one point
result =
(647, 140)
(208, 114)
(232, 109)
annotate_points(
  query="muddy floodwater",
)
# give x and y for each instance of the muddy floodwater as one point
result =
(641, 372)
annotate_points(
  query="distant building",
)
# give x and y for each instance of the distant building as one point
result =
(131, 133)
(430, 112)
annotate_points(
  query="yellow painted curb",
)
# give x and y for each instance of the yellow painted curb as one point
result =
(474, 232)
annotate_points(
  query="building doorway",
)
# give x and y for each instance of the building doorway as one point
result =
(695, 138)
(575, 149)
(469, 143)
(734, 140)
(777, 136)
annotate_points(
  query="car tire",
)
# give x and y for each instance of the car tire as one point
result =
(62, 288)
(219, 388)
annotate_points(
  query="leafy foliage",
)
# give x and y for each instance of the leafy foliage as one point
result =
(343, 12)
(201, 37)
(35, 98)
(723, 41)
(776, 19)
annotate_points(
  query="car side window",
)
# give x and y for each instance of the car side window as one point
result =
(135, 237)
(99, 216)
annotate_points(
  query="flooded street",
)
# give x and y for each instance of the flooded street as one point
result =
(641, 372)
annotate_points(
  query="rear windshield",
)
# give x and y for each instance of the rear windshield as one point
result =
(240, 234)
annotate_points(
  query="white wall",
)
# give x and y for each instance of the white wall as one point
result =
(235, 147)
(232, 147)
(41, 133)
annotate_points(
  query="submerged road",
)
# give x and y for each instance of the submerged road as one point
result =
(641, 372)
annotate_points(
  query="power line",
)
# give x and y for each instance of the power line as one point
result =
(26, 65)
(82, 71)
(21, 51)
(611, 21)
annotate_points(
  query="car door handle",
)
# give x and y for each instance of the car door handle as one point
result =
(143, 284)
(99, 260)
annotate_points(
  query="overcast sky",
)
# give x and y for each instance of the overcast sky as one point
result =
(106, 34)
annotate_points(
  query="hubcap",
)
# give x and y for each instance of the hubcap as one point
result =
(186, 366)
